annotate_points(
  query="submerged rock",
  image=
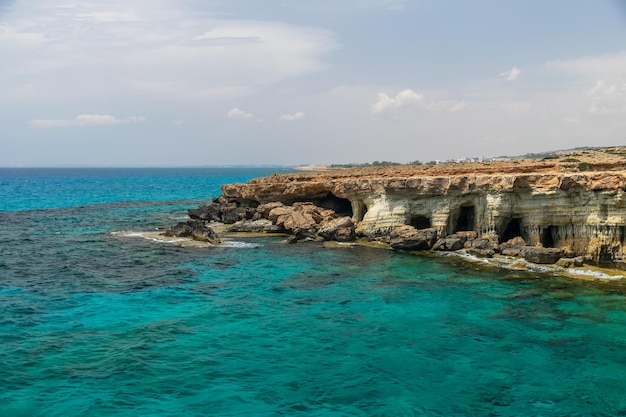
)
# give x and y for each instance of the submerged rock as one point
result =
(195, 229)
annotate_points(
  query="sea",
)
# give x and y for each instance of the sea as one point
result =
(100, 318)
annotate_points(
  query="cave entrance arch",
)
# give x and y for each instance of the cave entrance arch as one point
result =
(341, 206)
(513, 229)
(467, 217)
(420, 222)
(547, 237)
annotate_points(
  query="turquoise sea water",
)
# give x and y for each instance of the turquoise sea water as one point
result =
(94, 323)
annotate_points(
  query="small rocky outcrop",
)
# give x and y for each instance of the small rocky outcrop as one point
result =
(410, 238)
(195, 229)
(223, 211)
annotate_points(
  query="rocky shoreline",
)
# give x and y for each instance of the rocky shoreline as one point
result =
(567, 211)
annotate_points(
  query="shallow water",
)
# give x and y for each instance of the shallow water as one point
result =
(96, 323)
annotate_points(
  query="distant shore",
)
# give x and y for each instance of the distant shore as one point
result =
(312, 168)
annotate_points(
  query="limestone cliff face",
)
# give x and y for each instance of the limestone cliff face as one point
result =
(581, 212)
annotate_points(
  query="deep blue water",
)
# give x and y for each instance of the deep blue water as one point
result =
(94, 323)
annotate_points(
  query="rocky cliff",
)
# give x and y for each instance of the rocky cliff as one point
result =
(575, 203)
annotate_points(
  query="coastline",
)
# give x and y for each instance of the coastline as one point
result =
(567, 211)
(499, 262)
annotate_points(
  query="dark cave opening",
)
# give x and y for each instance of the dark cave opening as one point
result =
(513, 229)
(341, 206)
(420, 222)
(547, 237)
(466, 219)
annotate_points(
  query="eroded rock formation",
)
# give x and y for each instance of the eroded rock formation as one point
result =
(574, 205)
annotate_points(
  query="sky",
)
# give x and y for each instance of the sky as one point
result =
(292, 82)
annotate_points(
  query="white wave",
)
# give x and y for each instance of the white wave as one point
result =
(239, 244)
(178, 217)
(517, 263)
(594, 274)
(157, 237)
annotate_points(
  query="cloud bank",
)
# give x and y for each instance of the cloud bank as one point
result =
(152, 48)
(85, 120)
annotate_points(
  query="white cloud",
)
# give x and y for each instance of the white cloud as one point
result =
(403, 100)
(607, 98)
(237, 113)
(511, 75)
(85, 120)
(387, 106)
(295, 116)
(152, 48)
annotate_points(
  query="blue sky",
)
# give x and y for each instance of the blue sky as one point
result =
(190, 82)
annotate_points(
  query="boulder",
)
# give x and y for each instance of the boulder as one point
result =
(481, 253)
(298, 223)
(439, 244)
(329, 229)
(289, 218)
(515, 243)
(318, 214)
(277, 212)
(541, 255)
(232, 216)
(481, 243)
(409, 238)
(264, 209)
(571, 262)
(510, 251)
(453, 243)
(461, 236)
(345, 234)
(195, 229)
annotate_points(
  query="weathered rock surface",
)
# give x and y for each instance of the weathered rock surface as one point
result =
(195, 229)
